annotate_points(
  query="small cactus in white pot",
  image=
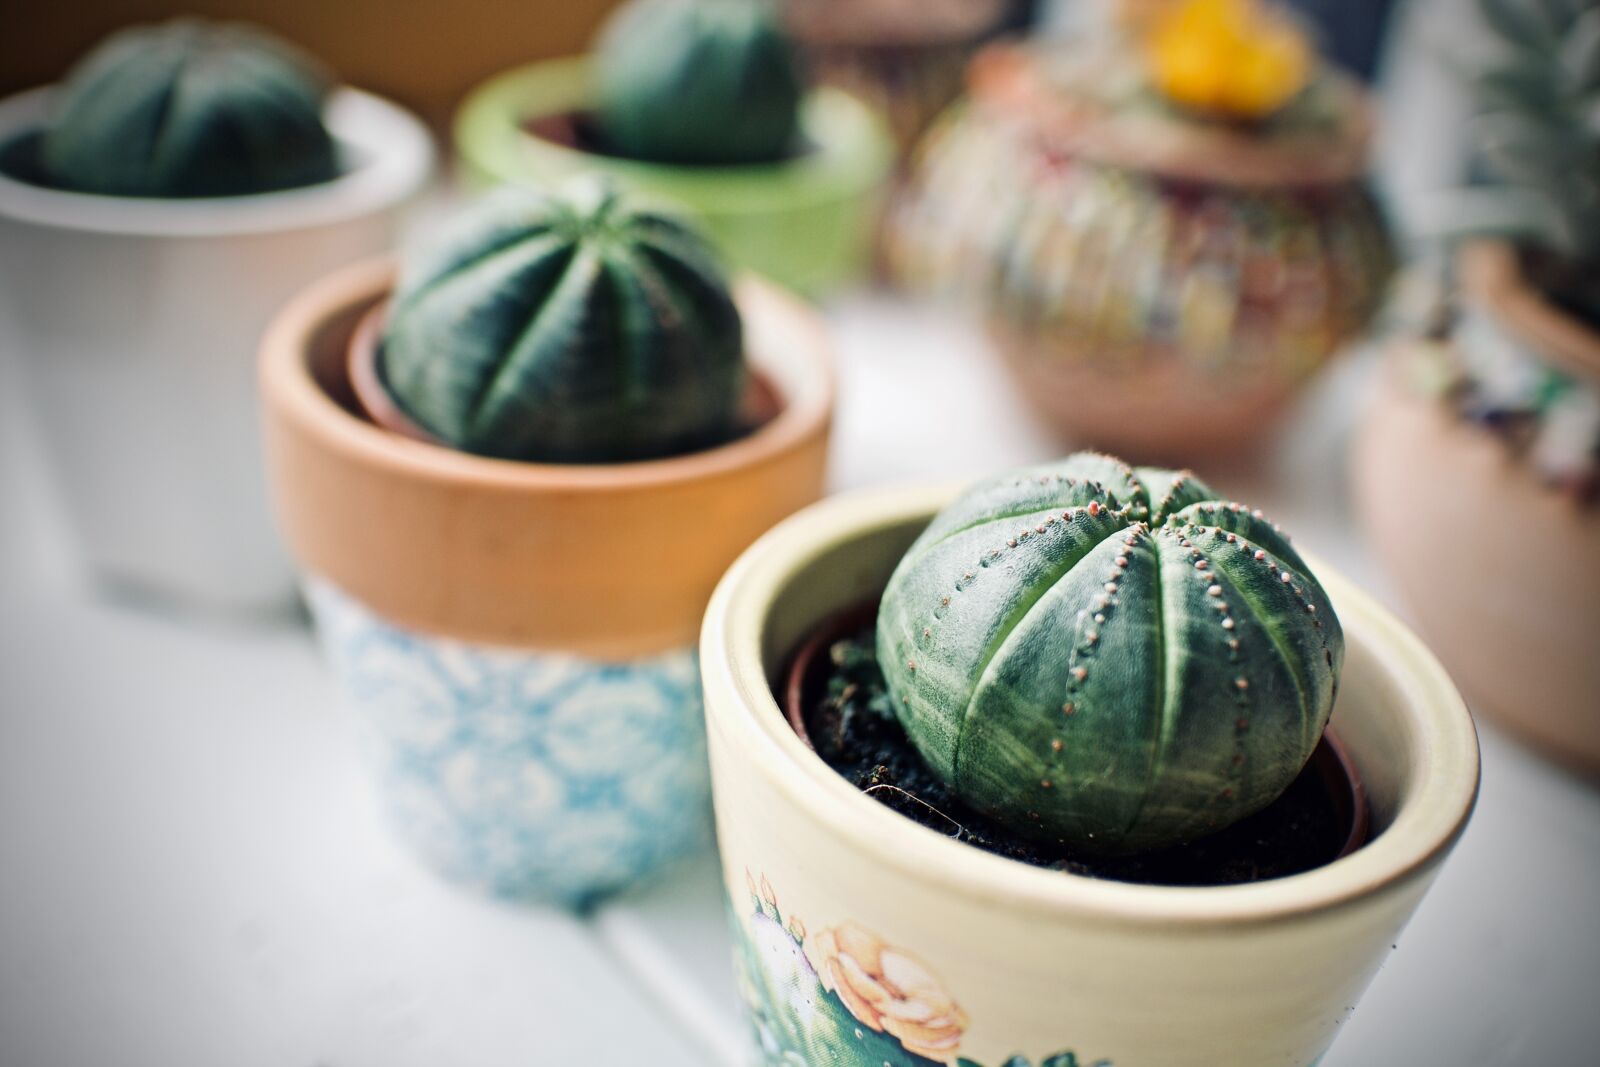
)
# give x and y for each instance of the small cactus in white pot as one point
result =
(1496, 402)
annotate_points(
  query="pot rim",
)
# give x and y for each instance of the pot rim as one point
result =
(1491, 274)
(394, 159)
(287, 383)
(1003, 77)
(1433, 809)
(854, 149)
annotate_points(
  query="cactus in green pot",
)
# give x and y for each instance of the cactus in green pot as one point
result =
(189, 109)
(713, 82)
(1109, 657)
(569, 327)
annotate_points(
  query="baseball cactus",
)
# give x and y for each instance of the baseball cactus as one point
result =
(571, 327)
(1107, 656)
(188, 109)
(698, 82)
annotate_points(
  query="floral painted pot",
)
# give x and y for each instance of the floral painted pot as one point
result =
(1182, 278)
(806, 223)
(133, 321)
(868, 939)
(1519, 636)
(517, 637)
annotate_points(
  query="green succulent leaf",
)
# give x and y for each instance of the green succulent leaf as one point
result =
(574, 327)
(189, 109)
(1107, 656)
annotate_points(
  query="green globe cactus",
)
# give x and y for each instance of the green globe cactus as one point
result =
(188, 109)
(712, 82)
(572, 327)
(1107, 656)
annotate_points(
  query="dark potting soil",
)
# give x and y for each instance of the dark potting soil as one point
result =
(852, 725)
(582, 131)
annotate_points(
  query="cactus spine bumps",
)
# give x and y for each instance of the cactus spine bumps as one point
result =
(573, 327)
(186, 109)
(714, 82)
(1108, 656)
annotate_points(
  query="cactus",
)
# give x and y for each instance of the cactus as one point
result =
(187, 109)
(573, 327)
(698, 82)
(1108, 657)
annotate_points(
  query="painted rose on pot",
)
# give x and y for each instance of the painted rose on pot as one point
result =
(888, 989)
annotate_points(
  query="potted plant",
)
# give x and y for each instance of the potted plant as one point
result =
(700, 101)
(511, 483)
(1497, 404)
(1069, 669)
(1170, 219)
(144, 248)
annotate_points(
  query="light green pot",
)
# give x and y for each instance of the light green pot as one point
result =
(806, 223)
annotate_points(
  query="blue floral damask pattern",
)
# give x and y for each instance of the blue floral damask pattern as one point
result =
(530, 775)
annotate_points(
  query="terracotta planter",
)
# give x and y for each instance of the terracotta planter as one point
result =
(866, 938)
(518, 637)
(1159, 288)
(805, 223)
(133, 321)
(1515, 624)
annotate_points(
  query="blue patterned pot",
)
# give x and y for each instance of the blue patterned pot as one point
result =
(528, 775)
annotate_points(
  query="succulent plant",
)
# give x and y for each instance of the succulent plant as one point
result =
(1107, 656)
(569, 327)
(186, 108)
(698, 82)
(1536, 140)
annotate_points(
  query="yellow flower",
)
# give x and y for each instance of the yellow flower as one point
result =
(889, 990)
(1228, 57)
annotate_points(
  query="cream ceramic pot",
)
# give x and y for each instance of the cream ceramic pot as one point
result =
(517, 639)
(867, 939)
(133, 322)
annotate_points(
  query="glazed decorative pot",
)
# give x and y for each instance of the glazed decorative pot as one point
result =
(517, 638)
(806, 223)
(1159, 288)
(1516, 624)
(866, 938)
(906, 58)
(134, 321)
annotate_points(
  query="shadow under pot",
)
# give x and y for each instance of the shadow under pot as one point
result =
(517, 638)
(133, 320)
(1519, 636)
(805, 222)
(1160, 288)
(866, 938)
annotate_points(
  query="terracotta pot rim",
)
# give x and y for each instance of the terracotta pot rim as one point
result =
(1330, 761)
(1491, 274)
(287, 381)
(1433, 809)
(394, 153)
(1002, 78)
(854, 150)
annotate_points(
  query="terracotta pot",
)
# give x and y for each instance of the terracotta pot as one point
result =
(517, 635)
(865, 938)
(134, 320)
(1160, 288)
(805, 223)
(1513, 606)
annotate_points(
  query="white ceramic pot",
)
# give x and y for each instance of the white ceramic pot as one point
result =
(135, 322)
(867, 939)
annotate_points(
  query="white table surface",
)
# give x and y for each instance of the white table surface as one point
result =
(192, 871)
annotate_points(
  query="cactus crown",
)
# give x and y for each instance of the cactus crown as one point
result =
(713, 82)
(1107, 656)
(187, 109)
(573, 327)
